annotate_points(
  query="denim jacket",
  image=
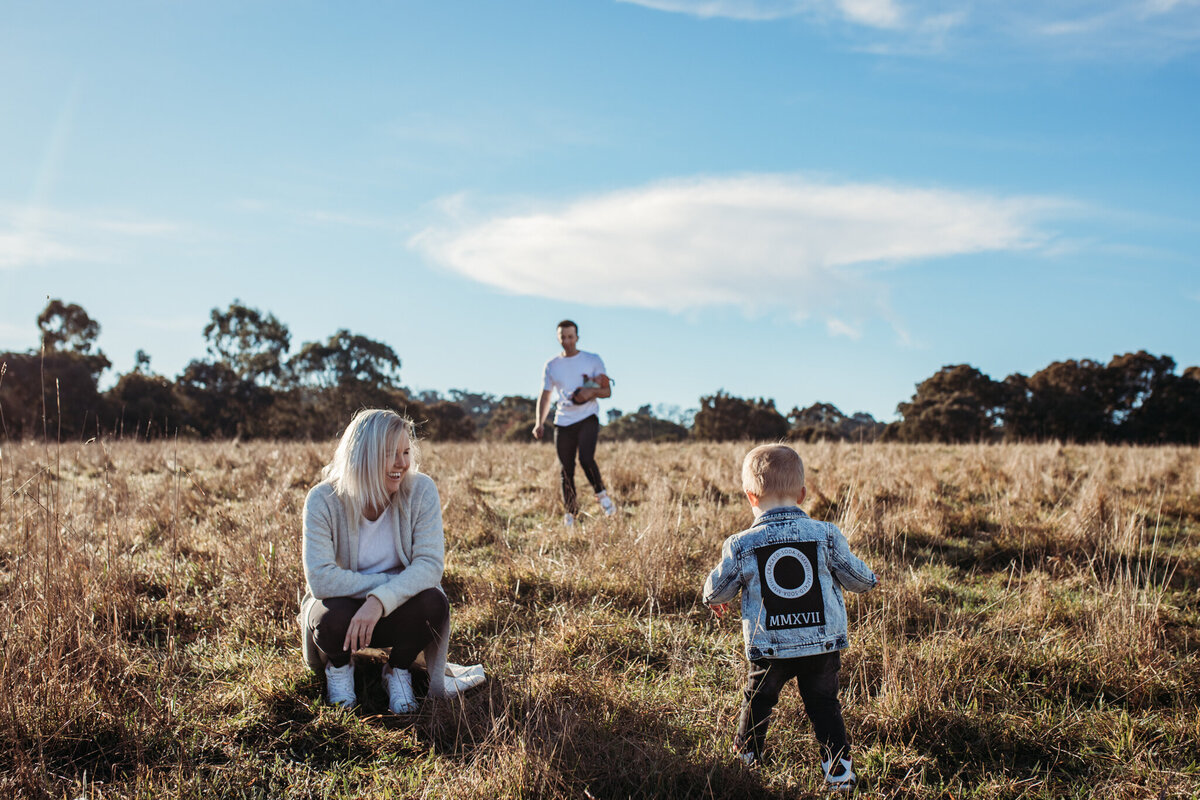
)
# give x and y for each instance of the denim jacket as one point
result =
(791, 570)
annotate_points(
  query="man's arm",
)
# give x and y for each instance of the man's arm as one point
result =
(543, 408)
(601, 377)
(582, 395)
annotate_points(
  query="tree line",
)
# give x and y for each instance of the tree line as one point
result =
(250, 384)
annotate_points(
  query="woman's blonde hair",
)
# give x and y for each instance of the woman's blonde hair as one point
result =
(363, 456)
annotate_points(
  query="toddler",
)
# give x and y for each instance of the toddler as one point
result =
(790, 570)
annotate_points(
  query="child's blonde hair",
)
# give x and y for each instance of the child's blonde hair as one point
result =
(773, 470)
(362, 458)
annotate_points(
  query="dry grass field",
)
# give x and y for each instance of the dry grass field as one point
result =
(1036, 632)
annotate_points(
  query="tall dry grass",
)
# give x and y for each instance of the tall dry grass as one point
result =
(1035, 634)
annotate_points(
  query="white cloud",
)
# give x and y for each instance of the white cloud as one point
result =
(1154, 29)
(38, 236)
(172, 324)
(837, 327)
(10, 331)
(21, 248)
(873, 13)
(757, 242)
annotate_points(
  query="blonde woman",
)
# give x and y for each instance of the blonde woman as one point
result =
(373, 559)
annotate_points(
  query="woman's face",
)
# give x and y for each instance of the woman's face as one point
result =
(397, 464)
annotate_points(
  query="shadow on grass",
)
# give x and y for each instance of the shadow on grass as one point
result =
(972, 748)
(567, 739)
(296, 728)
(985, 550)
(575, 741)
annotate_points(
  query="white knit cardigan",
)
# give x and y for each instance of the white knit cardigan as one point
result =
(331, 561)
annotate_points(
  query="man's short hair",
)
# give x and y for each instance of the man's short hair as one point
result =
(566, 323)
(773, 470)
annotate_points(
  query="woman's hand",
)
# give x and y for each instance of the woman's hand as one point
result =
(362, 625)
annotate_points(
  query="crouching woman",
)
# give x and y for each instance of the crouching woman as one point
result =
(373, 560)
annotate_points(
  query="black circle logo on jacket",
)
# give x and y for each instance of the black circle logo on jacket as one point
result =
(791, 585)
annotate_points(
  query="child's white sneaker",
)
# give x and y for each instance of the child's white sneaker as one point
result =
(568, 520)
(839, 776)
(606, 503)
(339, 685)
(401, 699)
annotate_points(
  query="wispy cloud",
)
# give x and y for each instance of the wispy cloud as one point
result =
(22, 248)
(837, 327)
(11, 332)
(874, 13)
(32, 237)
(1079, 28)
(173, 324)
(340, 218)
(758, 242)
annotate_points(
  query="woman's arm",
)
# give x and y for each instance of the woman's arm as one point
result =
(325, 578)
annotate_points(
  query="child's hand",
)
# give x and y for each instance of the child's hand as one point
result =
(720, 609)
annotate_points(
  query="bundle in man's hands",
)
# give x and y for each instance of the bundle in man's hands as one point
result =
(601, 381)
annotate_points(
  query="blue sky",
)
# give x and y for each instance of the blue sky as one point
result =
(809, 200)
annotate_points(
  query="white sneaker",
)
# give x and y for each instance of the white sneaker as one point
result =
(401, 699)
(607, 504)
(339, 685)
(568, 520)
(840, 777)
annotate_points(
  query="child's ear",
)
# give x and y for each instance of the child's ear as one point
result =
(752, 497)
(803, 493)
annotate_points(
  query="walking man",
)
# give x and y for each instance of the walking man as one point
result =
(576, 378)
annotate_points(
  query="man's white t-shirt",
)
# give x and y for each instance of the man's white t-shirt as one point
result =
(562, 375)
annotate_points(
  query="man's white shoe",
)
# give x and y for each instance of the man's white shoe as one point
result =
(401, 699)
(568, 520)
(339, 685)
(607, 504)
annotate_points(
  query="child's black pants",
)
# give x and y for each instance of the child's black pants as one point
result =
(817, 677)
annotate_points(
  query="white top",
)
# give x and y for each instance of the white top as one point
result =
(563, 375)
(377, 545)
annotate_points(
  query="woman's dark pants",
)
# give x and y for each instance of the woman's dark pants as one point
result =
(408, 630)
(569, 439)
(817, 677)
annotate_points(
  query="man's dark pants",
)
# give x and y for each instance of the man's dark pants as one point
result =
(569, 439)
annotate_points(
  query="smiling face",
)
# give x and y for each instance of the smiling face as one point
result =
(568, 337)
(397, 464)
